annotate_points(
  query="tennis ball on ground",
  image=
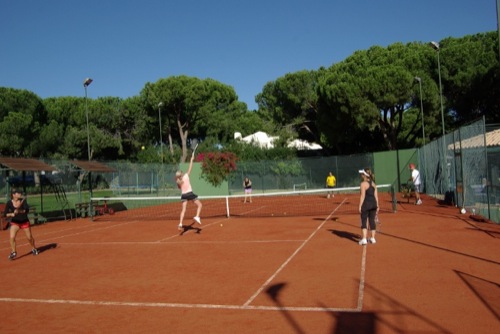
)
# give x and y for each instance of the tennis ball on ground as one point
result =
(221, 225)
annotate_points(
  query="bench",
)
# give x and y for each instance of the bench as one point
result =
(83, 209)
(36, 218)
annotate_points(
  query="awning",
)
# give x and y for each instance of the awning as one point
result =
(26, 165)
(92, 166)
(492, 139)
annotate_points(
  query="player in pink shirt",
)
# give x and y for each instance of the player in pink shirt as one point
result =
(184, 184)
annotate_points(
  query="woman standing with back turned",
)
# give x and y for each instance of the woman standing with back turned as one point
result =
(368, 204)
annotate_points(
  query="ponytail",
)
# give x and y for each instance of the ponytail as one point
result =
(370, 173)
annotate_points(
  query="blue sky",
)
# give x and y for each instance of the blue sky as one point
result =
(49, 47)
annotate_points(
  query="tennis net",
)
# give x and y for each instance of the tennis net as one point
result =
(310, 202)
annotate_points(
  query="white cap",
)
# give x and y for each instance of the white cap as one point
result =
(362, 171)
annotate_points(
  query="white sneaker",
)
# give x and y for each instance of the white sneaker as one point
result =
(197, 219)
(363, 242)
(373, 241)
(180, 227)
(419, 202)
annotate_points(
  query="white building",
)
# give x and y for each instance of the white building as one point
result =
(263, 140)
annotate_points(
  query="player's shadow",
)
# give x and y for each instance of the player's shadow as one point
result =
(346, 235)
(186, 228)
(274, 292)
(47, 247)
(41, 249)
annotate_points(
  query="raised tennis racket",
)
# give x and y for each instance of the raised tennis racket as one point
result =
(194, 151)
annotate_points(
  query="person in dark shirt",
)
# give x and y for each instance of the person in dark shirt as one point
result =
(17, 210)
(247, 186)
(368, 204)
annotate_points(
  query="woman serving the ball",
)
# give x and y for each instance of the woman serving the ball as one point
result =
(184, 184)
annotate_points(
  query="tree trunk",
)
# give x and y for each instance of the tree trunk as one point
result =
(184, 135)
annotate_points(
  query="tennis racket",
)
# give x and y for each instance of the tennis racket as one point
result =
(378, 224)
(194, 151)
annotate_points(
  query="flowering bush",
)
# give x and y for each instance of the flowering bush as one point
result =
(216, 166)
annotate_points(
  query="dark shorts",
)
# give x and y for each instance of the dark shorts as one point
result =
(418, 188)
(190, 196)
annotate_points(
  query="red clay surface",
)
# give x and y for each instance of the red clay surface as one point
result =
(432, 270)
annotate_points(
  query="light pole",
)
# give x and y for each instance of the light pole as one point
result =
(419, 80)
(86, 83)
(423, 126)
(161, 140)
(435, 46)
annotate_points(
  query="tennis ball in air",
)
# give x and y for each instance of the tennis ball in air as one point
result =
(143, 148)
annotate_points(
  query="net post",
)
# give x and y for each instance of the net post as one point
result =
(394, 199)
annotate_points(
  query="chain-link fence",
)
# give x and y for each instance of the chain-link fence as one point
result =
(302, 173)
(458, 169)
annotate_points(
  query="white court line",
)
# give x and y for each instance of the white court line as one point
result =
(361, 289)
(211, 242)
(92, 230)
(259, 291)
(245, 306)
(174, 305)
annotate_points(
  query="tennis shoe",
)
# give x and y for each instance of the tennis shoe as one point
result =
(12, 255)
(373, 241)
(179, 227)
(363, 242)
(35, 251)
(419, 202)
(197, 219)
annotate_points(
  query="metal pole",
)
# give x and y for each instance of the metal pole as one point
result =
(86, 83)
(161, 140)
(441, 93)
(445, 164)
(436, 47)
(423, 126)
(498, 27)
(87, 116)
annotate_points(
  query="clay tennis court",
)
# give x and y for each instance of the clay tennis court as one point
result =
(431, 271)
